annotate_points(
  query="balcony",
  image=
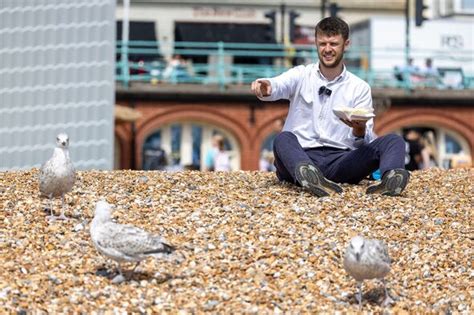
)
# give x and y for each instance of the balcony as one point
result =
(226, 66)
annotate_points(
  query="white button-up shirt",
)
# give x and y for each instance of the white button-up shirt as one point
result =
(310, 116)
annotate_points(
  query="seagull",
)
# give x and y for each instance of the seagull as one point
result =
(57, 175)
(124, 243)
(367, 259)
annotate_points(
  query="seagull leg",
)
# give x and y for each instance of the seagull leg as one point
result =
(388, 299)
(62, 216)
(136, 265)
(51, 217)
(119, 278)
(359, 295)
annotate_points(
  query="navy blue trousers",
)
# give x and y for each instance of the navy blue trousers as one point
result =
(339, 165)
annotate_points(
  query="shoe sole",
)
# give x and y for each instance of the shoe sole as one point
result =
(392, 185)
(311, 178)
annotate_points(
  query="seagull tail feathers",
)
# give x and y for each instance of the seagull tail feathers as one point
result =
(163, 249)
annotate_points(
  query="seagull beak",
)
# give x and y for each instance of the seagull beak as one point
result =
(358, 256)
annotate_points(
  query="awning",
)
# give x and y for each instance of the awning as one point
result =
(126, 114)
(223, 32)
(227, 33)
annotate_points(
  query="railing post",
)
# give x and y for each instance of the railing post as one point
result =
(124, 49)
(221, 66)
(124, 64)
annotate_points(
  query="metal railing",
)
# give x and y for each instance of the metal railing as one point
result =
(225, 64)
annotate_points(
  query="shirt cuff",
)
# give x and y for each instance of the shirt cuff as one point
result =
(273, 85)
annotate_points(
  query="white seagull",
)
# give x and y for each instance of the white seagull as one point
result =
(367, 259)
(57, 175)
(124, 243)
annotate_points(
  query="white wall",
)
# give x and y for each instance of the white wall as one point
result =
(450, 43)
(57, 75)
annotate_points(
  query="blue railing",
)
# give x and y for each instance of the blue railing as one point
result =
(224, 64)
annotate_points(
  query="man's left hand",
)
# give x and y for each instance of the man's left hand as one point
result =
(358, 126)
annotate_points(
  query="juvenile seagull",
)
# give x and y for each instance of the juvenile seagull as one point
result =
(57, 175)
(124, 243)
(367, 259)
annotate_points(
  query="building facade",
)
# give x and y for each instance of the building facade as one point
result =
(179, 119)
(250, 125)
(56, 75)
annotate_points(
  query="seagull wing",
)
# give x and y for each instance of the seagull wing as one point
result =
(45, 174)
(132, 241)
(380, 251)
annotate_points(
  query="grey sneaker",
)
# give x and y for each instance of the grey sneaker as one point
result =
(392, 184)
(312, 179)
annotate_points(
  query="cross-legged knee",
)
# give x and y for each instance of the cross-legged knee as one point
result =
(283, 138)
(394, 140)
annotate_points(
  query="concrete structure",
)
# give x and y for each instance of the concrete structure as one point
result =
(56, 75)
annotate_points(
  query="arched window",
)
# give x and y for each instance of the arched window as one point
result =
(184, 145)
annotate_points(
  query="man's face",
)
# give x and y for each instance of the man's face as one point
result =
(331, 49)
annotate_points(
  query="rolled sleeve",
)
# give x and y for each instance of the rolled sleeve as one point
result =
(284, 85)
(275, 95)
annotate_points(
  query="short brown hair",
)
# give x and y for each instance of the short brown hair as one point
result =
(332, 26)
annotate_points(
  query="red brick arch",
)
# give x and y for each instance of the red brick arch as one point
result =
(195, 113)
(267, 127)
(122, 134)
(250, 123)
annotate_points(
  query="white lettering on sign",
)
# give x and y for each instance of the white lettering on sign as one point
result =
(223, 12)
(452, 41)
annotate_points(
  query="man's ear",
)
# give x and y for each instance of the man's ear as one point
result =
(346, 44)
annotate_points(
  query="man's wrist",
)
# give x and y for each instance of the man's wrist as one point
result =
(358, 134)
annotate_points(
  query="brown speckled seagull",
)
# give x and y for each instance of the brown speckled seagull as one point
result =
(57, 175)
(367, 259)
(124, 243)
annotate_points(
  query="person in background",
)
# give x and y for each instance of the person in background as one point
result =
(210, 157)
(429, 70)
(429, 153)
(176, 70)
(222, 158)
(316, 150)
(413, 157)
(408, 74)
(155, 157)
(430, 74)
(410, 68)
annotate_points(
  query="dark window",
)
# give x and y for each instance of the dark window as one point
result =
(140, 31)
(223, 32)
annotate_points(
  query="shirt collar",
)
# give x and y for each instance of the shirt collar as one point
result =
(336, 79)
